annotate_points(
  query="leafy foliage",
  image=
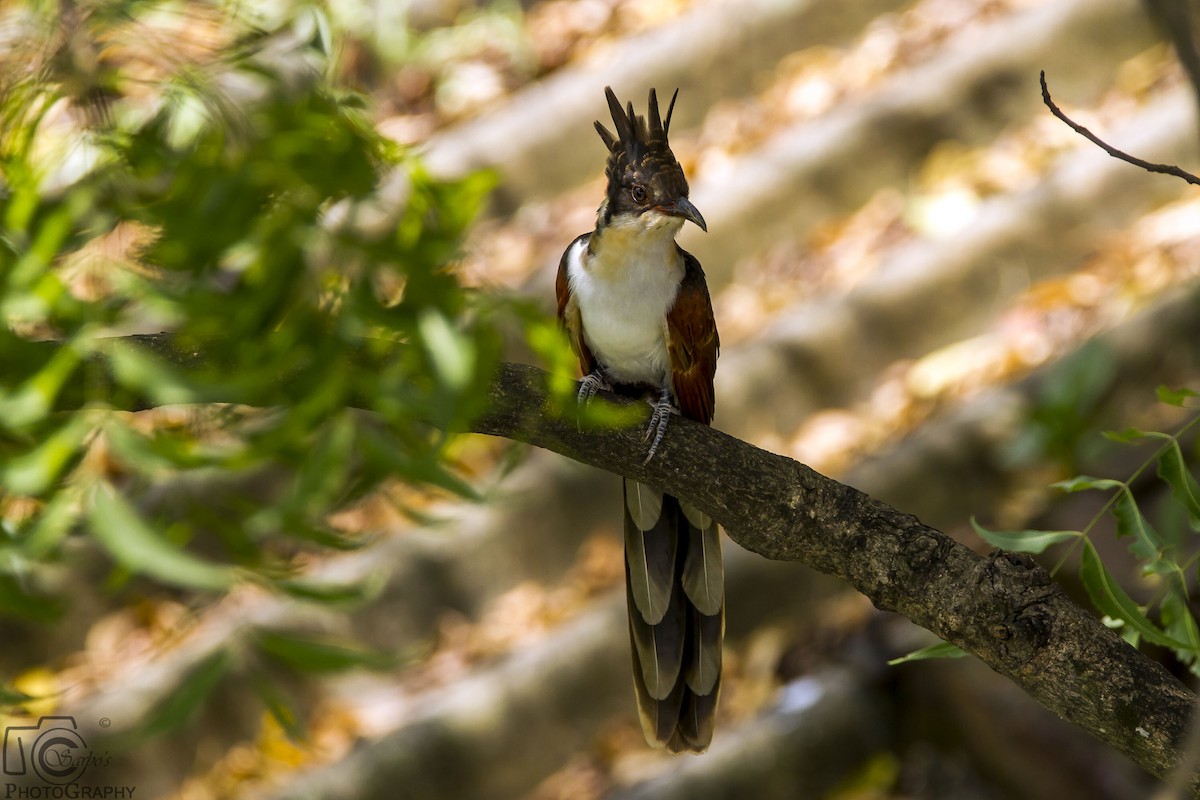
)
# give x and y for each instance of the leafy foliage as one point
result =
(1165, 558)
(1061, 417)
(230, 194)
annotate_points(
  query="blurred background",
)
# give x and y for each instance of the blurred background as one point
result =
(926, 286)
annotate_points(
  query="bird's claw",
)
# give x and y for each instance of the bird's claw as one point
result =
(658, 425)
(592, 383)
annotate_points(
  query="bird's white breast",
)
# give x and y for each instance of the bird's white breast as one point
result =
(624, 291)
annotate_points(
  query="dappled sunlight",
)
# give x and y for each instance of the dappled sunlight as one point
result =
(272, 561)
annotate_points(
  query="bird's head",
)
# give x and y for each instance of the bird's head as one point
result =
(646, 185)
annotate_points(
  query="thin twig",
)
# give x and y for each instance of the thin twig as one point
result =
(1166, 169)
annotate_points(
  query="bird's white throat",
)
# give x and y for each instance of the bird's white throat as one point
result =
(625, 284)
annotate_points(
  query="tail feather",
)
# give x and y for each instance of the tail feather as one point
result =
(674, 585)
(703, 670)
(651, 542)
(659, 649)
(703, 574)
(697, 715)
(660, 718)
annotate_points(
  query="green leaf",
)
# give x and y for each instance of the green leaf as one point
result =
(1176, 397)
(451, 353)
(600, 414)
(1080, 379)
(36, 471)
(44, 533)
(1146, 544)
(1128, 633)
(326, 470)
(1179, 623)
(16, 600)
(138, 369)
(546, 339)
(1130, 435)
(939, 650)
(1027, 541)
(310, 654)
(144, 453)
(341, 594)
(1082, 483)
(139, 547)
(280, 705)
(1109, 598)
(1174, 470)
(35, 398)
(183, 703)
(51, 235)
(10, 697)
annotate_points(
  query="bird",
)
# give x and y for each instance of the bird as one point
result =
(636, 310)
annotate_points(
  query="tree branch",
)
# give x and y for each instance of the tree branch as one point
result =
(1167, 169)
(1002, 608)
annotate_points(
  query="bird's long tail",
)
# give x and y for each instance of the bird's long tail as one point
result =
(674, 581)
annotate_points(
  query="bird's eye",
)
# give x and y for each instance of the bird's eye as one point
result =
(639, 194)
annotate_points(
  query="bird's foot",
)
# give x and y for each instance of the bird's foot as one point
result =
(592, 382)
(658, 423)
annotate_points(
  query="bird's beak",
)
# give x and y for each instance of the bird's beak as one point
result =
(682, 207)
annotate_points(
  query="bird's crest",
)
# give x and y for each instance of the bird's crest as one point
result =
(636, 137)
(639, 154)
